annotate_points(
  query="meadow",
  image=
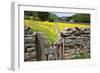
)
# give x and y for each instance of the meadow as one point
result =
(51, 29)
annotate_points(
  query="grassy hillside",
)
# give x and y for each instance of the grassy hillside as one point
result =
(49, 28)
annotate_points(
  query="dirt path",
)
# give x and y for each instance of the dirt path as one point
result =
(57, 31)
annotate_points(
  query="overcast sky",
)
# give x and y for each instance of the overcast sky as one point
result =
(63, 14)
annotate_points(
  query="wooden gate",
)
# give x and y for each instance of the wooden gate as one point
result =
(45, 51)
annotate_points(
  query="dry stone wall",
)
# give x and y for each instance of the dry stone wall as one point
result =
(29, 44)
(76, 43)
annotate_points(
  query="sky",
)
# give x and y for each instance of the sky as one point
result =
(63, 14)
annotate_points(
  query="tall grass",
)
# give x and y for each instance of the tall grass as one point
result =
(48, 28)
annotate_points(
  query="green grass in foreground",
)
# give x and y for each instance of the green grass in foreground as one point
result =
(49, 28)
(82, 56)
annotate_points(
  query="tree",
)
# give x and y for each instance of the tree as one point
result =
(83, 18)
(35, 16)
(52, 17)
(30, 15)
(43, 16)
(68, 18)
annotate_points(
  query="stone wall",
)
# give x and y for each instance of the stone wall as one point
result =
(36, 46)
(76, 43)
(29, 44)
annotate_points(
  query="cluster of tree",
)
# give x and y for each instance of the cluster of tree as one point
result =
(31, 15)
(40, 16)
(83, 18)
(46, 16)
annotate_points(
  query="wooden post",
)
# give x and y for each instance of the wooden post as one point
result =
(62, 52)
(41, 44)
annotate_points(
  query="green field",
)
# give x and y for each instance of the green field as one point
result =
(49, 28)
